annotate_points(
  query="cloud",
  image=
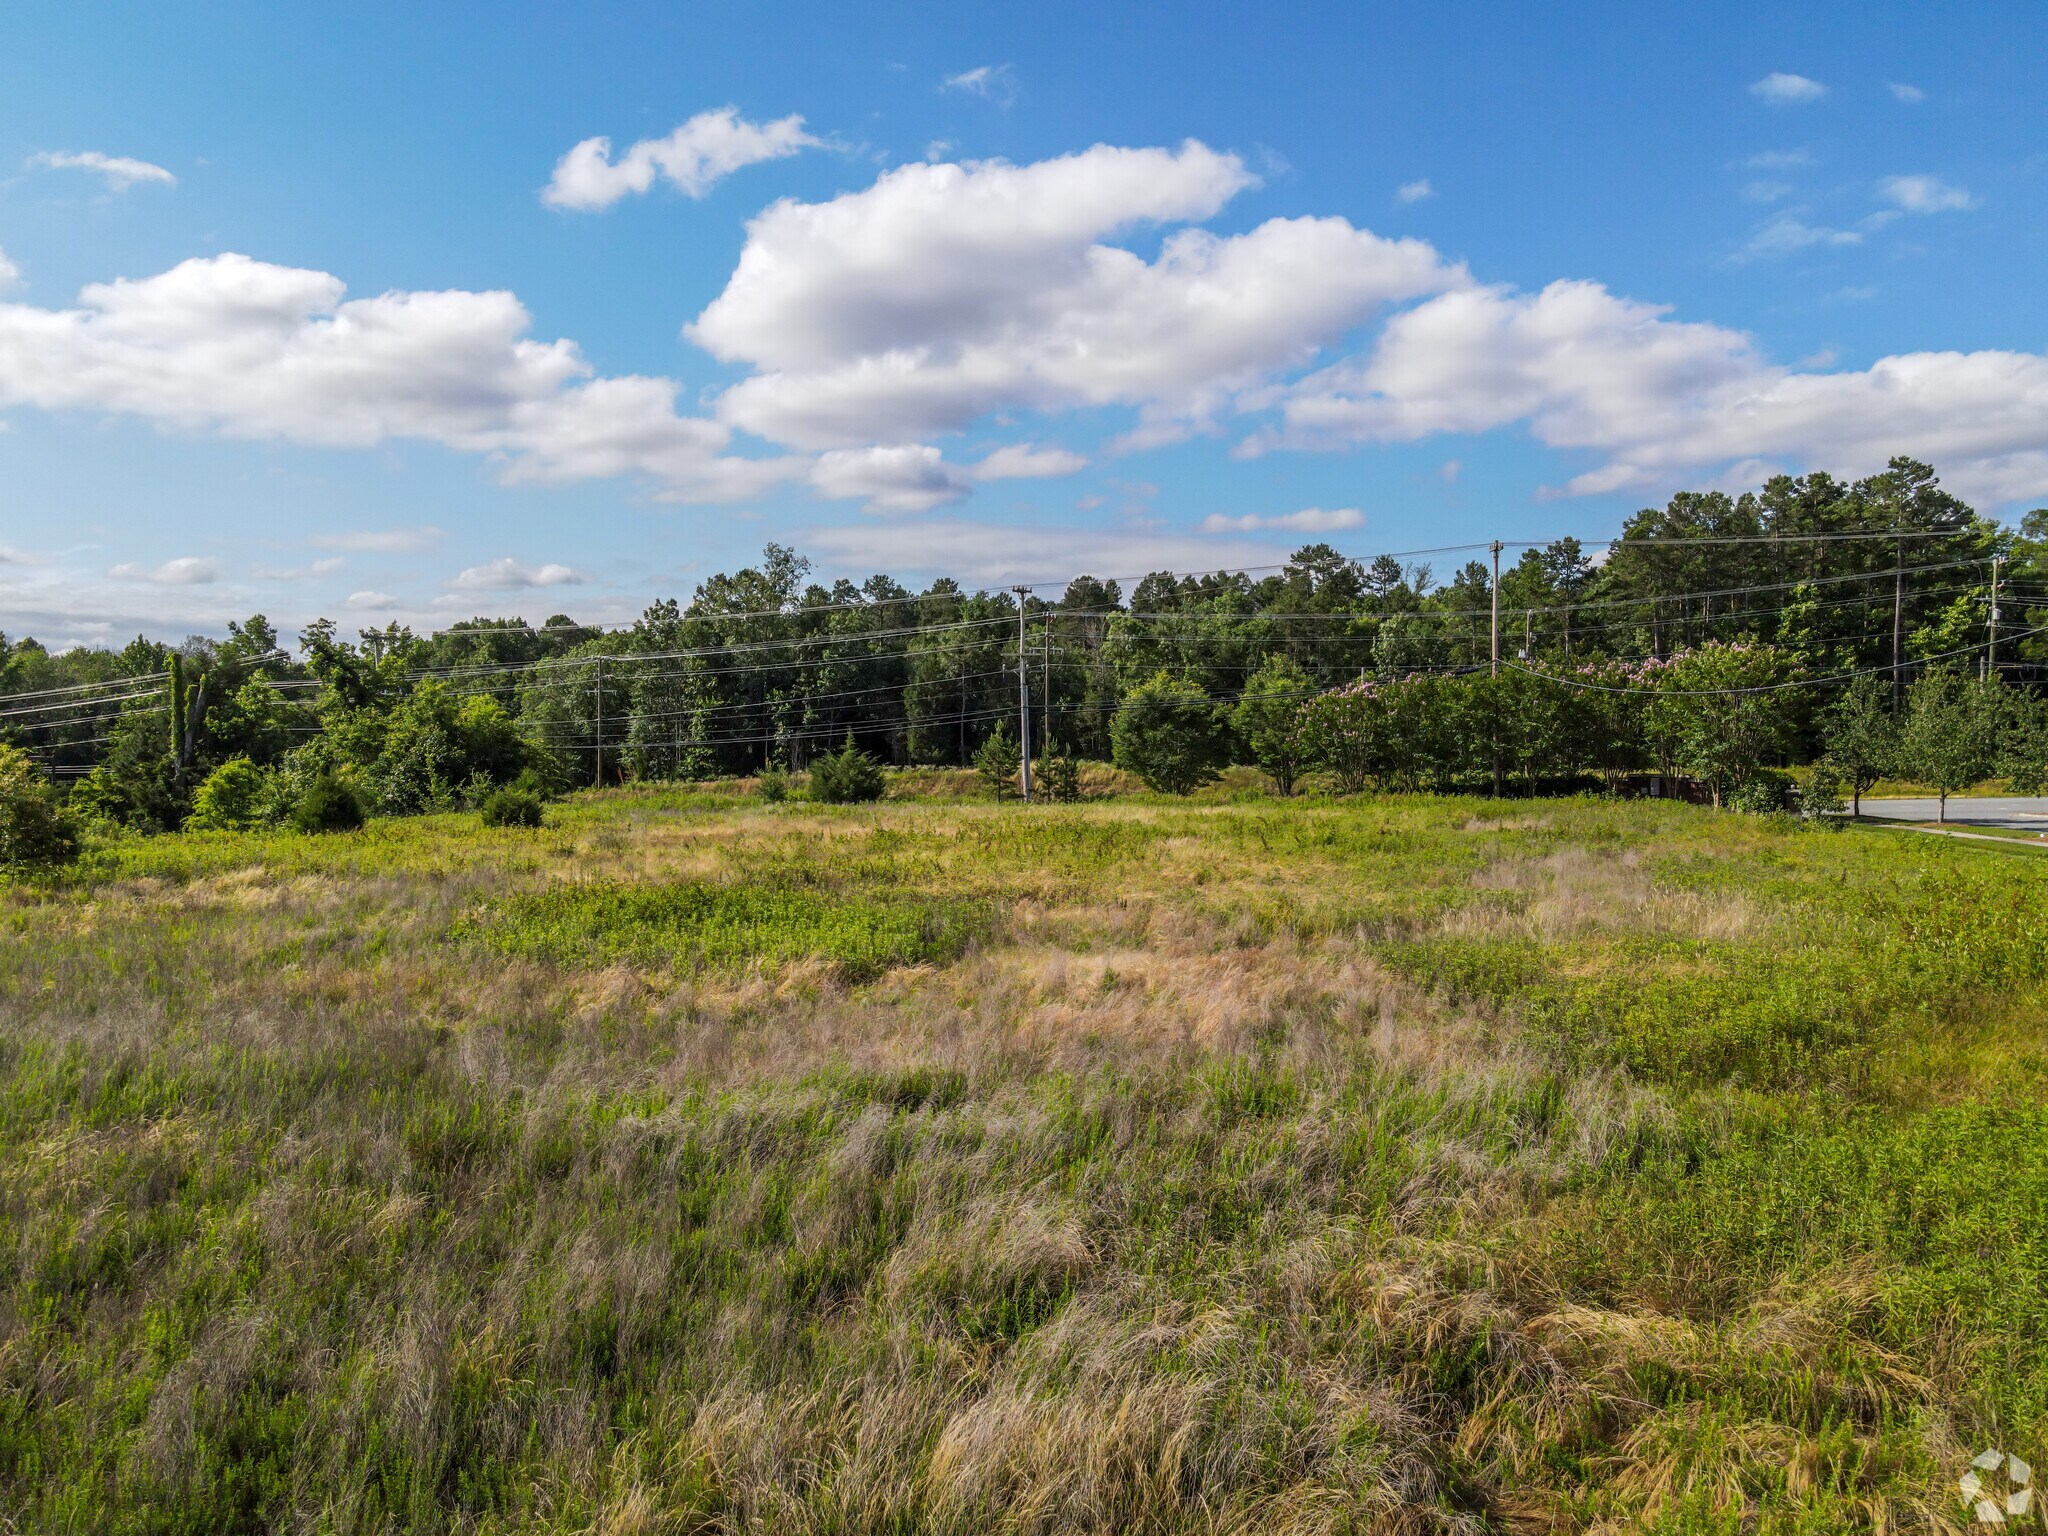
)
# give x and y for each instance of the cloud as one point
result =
(1787, 232)
(693, 159)
(387, 541)
(1655, 399)
(186, 571)
(910, 477)
(119, 171)
(992, 82)
(1768, 191)
(1783, 90)
(309, 572)
(1414, 191)
(10, 274)
(508, 575)
(998, 554)
(372, 602)
(1924, 194)
(1450, 470)
(1308, 520)
(945, 292)
(1779, 160)
(250, 350)
(1022, 461)
(1911, 95)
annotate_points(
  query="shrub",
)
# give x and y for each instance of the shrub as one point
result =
(999, 762)
(773, 784)
(1820, 802)
(1057, 779)
(510, 808)
(1762, 792)
(1268, 719)
(329, 803)
(847, 777)
(230, 799)
(1167, 733)
(34, 831)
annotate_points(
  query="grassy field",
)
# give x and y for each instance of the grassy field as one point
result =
(694, 1165)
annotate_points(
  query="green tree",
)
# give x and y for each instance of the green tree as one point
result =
(1168, 734)
(846, 777)
(34, 831)
(230, 798)
(1949, 738)
(1345, 732)
(1268, 719)
(1725, 708)
(1861, 736)
(999, 762)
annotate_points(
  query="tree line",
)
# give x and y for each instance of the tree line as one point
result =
(1364, 672)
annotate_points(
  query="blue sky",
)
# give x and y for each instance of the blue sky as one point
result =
(1026, 291)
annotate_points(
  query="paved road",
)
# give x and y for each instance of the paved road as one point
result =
(2018, 812)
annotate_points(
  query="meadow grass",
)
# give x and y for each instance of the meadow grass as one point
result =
(693, 1165)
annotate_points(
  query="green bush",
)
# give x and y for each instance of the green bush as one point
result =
(998, 762)
(34, 831)
(329, 804)
(847, 777)
(230, 799)
(773, 784)
(1821, 799)
(1057, 779)
(1762, 792)
(1168, 734)
(510, 808)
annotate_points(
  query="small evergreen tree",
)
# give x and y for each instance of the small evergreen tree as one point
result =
(1058, 780)
(1268, 719)
(847, 777)
(1168, 734)
(998, 762)
(330, 803)
(510, 807)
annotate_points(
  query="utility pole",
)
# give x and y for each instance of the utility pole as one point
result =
(1528, 633)
(1991, 649)
(1023, 693)
(1496, 607)
(1045, 688)
(598, 780)
(1898, 620)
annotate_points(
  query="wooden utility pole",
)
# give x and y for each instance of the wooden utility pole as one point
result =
(1496, 607)
(598, 780)
(1023, 692)
(1898, 621)
(1991, 648)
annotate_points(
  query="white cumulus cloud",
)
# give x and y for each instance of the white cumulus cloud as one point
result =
(372, 602)
(1655, 399)
(186, 571)
(1787, 90)
(1414, 191)
(1308, 520)
(1911, 95)
(945, 292)
(692, 159)
(907, 477)
(312, 571)
(10, 274)
(509, 575)
(1924, 194)
(119, 171)
(252, 350)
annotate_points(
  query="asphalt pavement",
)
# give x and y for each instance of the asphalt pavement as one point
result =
(2018, 813)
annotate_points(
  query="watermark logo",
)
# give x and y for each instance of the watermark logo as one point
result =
(1998, 1487)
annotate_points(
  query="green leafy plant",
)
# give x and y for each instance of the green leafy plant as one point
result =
(1949, 739)
(1268, 719)
(1820, 799)
(329, 803)
(34, 831)
(1762, 792)
(230, 799)
(1168, 734)
(847, 777)
(772, 784)
(510, 808)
